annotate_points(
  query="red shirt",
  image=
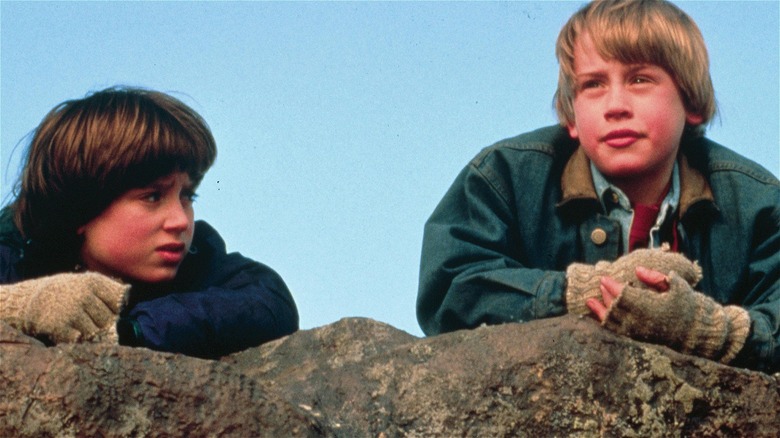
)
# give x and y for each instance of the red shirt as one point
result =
(644, 220)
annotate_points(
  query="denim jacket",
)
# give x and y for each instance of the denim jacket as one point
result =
(496, 247)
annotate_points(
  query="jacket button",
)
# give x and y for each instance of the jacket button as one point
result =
(598, 236)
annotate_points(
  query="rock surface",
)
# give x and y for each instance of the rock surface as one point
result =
(358, 377)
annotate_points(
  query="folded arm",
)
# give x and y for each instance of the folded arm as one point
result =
(472, 270)
(223, 303)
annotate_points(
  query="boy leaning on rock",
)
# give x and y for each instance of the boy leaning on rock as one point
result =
(101, 243)
(604, 213)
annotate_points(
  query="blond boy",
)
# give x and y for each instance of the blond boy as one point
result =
(603, 214)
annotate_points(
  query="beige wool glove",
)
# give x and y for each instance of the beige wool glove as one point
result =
(68, 307)
(583, 281)
(680, 318)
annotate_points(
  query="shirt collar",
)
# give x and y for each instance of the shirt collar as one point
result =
(577, 183)
(611, 196)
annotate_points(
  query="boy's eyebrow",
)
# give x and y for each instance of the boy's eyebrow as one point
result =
(632, 68)
(161, 183)
(167, 182)
(583, 76)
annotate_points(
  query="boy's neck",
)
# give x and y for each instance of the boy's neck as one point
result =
(644, 191)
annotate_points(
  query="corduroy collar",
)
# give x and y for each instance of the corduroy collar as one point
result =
(577, 182)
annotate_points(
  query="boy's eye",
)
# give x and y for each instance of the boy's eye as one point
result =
(151, 196)
(589, 84)
(188, 195)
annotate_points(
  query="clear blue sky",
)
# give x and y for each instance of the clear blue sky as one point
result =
(341, 124)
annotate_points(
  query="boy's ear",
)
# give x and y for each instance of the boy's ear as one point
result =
(572, 128)
(693, 119)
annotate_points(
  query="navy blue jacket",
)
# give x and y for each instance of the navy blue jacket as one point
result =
(219, 303)
(497, 246)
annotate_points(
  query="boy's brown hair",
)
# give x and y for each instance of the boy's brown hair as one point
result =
(87, 152)
(639, 31)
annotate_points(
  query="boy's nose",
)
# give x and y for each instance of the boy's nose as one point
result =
(178, 217)
(617, 104)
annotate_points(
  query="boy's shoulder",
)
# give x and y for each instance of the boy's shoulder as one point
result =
(207, 238)
(713, 159)
(9, 234)
(551, 142)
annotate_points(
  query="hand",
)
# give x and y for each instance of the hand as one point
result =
(611, 290)
(64, 307)
(667, 311)
(583, 281)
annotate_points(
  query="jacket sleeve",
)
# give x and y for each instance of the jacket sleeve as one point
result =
(473, 267)
(9, 257)
(10, 248)
(221, 303)
(762, 348)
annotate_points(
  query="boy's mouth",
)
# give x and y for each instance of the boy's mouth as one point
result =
(172, 252)
(621, 138)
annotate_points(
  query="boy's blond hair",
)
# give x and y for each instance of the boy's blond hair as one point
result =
(639, 31)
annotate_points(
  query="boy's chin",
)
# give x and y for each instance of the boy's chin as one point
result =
(154, 276)
(622, 173)
(625, 169)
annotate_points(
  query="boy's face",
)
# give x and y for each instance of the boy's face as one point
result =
(144, 234)
(629, 119)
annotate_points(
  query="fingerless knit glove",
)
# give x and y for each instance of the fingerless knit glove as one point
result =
(680, 318)
(583, 281)
(64, 307)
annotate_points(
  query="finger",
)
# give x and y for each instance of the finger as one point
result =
(83, 322)
(654, 279)
(606, 296)
(597, 308)
(611, 287)
(98, 311)
(110, 292)
(68, 325)
(64, 335)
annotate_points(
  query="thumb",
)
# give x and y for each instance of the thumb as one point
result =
(111, 292)
(654, 279)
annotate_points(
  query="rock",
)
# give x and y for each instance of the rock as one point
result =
(358, 377)
(100, 390)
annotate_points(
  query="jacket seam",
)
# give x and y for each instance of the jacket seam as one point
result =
(493, 186)
(480, 161)
(733, 167)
